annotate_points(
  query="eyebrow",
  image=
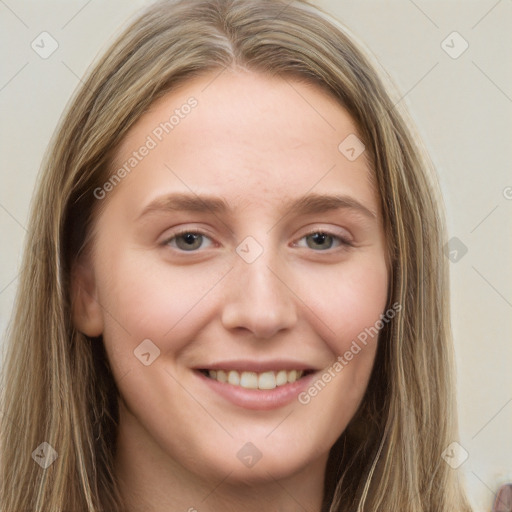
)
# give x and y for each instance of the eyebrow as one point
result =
(306, 205)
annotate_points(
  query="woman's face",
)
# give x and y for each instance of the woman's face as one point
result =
(240, 243)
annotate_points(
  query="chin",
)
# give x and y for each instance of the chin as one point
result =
(246, 464)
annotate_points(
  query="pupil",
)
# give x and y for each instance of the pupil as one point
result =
(189, 241)
(320, 238)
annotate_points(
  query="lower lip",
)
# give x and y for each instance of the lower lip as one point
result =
(258, 399)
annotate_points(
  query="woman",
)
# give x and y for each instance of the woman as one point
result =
(236, 296)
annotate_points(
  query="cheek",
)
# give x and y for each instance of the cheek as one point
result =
(148, 299)
(347, 315)
(347, 300)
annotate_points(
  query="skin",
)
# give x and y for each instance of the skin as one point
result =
(258, 142)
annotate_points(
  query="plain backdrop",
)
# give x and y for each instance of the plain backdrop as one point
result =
(458, 88)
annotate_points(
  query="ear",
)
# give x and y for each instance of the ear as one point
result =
(87, 314)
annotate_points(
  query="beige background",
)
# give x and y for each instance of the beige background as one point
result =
(462, 107)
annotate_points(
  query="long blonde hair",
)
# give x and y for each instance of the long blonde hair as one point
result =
(57, 384)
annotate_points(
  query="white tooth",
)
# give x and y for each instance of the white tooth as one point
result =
(212, 374)
(267, 380)
(292, 376)
(281, 378)
(234, 378)
(300, 373)
(221, 376)
(249, 380)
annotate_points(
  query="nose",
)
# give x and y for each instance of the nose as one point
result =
(258, 299)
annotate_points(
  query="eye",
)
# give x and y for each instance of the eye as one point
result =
(187, 240)
(323, 240)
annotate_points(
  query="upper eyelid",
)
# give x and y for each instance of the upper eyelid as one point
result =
(316, 227)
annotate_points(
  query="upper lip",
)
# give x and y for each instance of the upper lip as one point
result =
(245, 365)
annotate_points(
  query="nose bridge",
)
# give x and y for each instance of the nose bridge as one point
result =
(258, 300)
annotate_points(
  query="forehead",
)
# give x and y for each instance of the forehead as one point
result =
(244, 134)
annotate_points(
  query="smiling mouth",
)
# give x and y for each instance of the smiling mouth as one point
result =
(253, 380)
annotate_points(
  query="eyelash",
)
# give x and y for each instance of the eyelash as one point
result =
(344, 243)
